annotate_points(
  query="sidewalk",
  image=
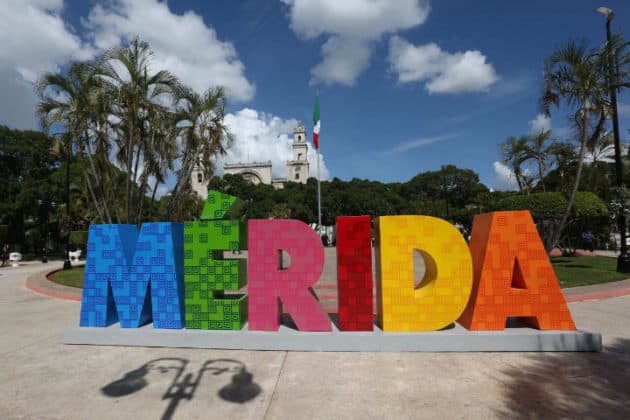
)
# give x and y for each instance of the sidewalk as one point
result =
(42, 378)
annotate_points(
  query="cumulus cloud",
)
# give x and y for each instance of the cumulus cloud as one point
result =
(352, 27)
(183, 44)
(504, 179)
(540, 123)
(34, 40)
(441, 71)
(262, 137)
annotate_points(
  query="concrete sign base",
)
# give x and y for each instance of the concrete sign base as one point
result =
(454, 339)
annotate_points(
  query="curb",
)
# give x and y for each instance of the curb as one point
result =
(41, 284)
(606, 294)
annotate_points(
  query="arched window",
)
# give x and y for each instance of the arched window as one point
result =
(299, 156)
(297, 176)
(200, 178)
(299, 137)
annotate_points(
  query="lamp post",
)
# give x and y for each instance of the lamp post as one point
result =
(44, 207)
(623, 261)
(66, 263)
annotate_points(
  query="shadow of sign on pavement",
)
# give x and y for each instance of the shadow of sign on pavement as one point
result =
(240, 389)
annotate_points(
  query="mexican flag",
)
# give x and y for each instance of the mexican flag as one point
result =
(316, 123)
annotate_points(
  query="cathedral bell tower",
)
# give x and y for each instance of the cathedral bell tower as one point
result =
(198, 181)
(297, 169)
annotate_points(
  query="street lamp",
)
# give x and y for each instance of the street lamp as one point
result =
(66, 263)
(44, 207)
(623, 262)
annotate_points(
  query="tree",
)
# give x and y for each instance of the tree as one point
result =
(453, 186)
(72, 102)
(135, 97)
(199, 119)
(26, 193)
(537, 149)
(600, 149)
(547, 209)
(515, 152)
(116, 109)
(576, 77)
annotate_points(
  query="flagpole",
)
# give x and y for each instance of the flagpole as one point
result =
(316, 128)
(319, 197)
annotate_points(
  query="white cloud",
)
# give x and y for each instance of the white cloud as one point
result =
(34, 40)
(540, 123)
(442, 72)
(414, 144)
(504, 179)
(262, 137)
(344, 59)
(353, 26)
(183, 44)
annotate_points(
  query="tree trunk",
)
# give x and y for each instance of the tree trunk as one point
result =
(91, 190)
(155, 187)
(518, 181)
(178, 184)
(98, 181)
(182, 185)
(129, 165)
(540, 174)
(578, 174)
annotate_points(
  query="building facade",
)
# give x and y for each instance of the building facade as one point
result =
(260, 172)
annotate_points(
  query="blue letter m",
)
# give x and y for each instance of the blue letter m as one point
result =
(121, 264)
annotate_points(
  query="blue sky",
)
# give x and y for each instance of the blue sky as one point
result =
(405, 86)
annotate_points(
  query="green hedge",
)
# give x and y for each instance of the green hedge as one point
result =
(551, 205)
(542, 206)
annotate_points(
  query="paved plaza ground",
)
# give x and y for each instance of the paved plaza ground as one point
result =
(44, 379)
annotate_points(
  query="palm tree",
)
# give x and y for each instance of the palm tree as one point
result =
(514, 152)
(600, 149)
(203, 135)
(159, 155)
(564, 155)
(538, 150)
(575, 76)
(136, 97)
(71, 102)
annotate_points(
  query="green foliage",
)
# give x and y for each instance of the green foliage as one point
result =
(78, 237)
(589, 213)
(588, 204)
(121, 107)
(449, 193)
(551, 205)
(542, 206)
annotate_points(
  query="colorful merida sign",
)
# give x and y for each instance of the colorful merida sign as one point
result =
(174, 274)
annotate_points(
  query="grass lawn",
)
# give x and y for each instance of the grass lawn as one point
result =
(571, 272)
(72, 277)
(582, 271)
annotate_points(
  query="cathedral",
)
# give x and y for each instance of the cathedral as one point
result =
(260, 172)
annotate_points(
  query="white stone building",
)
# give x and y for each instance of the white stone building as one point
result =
(260, 172)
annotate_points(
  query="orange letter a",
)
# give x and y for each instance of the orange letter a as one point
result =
(513, 276)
